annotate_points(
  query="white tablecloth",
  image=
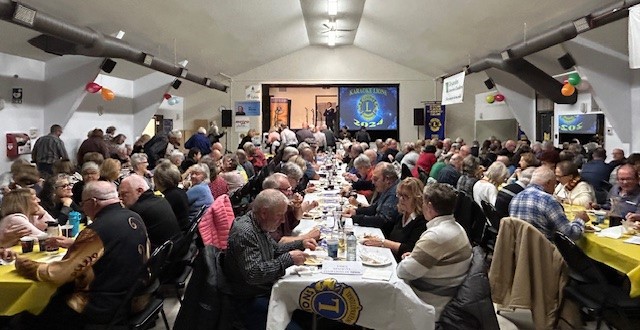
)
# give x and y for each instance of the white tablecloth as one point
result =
(351, 299)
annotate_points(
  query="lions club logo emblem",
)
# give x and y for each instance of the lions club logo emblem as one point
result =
(331, 299)
(368, 107)
(435, 124)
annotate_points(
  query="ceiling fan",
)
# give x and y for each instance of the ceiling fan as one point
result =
(333, 28)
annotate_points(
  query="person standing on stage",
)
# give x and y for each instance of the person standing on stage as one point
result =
(330, 116)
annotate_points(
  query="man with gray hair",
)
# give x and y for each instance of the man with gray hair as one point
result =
(254, 261)
(200, 141)
(509, 191)
(536, 205)
(450, 173)
(383, 209)
(296, 209)
(154, 210)
(100, 264)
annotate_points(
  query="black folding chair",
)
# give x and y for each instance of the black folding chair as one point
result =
(184, 252)
(493, 225)
(406, 172)
(589, 289)
(146, 285)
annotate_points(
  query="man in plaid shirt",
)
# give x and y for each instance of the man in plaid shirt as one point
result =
(537, 206)
(254, 261)
(48, 149)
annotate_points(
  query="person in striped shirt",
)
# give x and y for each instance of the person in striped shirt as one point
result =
(440, 260)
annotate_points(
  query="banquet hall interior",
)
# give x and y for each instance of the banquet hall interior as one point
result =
(563, 72)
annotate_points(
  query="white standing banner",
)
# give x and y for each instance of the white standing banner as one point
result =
(242, 124)
(453, 89)
(634, 37)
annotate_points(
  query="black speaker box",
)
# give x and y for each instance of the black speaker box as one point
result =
(226, 118)
(418, 116)
(566, 61)
(489, 83)
(108, 65)
(176, 84)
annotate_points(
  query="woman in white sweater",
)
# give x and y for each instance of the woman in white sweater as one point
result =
(571, 189)
(21, 210)
(486, 189)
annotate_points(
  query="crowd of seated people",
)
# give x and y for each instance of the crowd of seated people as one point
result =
(165, 186)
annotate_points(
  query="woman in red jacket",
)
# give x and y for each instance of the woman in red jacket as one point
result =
(425, 161)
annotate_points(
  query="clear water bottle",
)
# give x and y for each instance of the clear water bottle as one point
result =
(352, 241)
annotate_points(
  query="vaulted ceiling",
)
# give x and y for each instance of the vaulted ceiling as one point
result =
(225, 38)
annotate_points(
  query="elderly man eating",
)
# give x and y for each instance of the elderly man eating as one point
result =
(98, 266)
(383, 211)
(255, 261)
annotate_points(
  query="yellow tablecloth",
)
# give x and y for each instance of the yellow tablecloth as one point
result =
(623, 257)
(18, 294)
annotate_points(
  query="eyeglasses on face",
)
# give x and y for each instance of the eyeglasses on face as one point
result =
(66, 185)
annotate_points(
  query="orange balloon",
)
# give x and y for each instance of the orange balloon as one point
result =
(567, 89)
(108, 94)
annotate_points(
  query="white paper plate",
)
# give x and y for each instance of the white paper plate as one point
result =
(316, 261)
(372, 263)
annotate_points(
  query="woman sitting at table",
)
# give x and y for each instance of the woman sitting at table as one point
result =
(487, 188)
(110, 171)
(231, 174)
(410, 223)
(20, 209)
(199, 194)
(571, 189)
(56, 198)
(90, 172)
(361, 182)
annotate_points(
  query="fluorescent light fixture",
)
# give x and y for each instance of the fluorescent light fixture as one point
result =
(24, 15)
(148, 59)
(183, 63)
(120, 34)
(332, 7)
(207, 82)
(183, 73)
(505, 55)
(332, 38)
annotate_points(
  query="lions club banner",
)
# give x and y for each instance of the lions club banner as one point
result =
(434, 127)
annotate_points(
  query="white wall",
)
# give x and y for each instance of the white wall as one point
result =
(39, 110)
(29, 114)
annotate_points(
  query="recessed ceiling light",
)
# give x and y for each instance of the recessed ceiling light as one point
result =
(332, 7)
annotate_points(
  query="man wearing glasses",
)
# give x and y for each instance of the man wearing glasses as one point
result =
(98, 265)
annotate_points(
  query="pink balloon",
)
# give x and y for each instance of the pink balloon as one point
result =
(499, 97)
(166, 96)
(92, 87)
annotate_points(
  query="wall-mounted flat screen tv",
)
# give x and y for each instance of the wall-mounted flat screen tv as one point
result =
(372, 106)
(578, 124)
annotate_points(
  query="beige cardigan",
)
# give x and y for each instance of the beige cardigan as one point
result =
(527, 271)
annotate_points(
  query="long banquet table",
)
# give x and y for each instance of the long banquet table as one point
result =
(18, 294)
(351, 299)
(613, 252)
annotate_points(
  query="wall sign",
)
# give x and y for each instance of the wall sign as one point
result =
(453, 89)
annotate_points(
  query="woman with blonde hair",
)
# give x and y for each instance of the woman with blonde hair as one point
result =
(486, 189)
(110, 171)
(21, 208)
(411, 224)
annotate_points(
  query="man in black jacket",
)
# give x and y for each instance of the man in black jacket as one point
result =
(155, 211)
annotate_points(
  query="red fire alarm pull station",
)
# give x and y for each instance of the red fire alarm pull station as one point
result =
(18, 144)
